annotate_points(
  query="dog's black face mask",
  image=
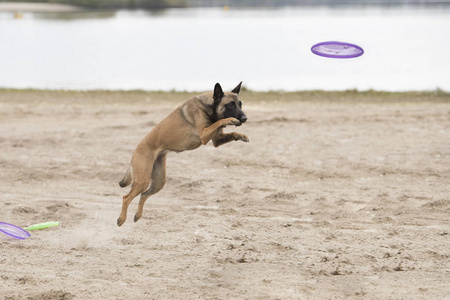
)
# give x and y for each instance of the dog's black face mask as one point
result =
(234, 109)
(227, 105)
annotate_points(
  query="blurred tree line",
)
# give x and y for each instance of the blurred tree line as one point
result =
(274, 3)
(158, 4)
(114, 4)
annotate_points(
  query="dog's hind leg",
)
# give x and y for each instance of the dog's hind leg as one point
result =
(136, 189)
(141, 180)
(157, 183)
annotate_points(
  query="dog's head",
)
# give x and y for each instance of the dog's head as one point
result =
(227, 104)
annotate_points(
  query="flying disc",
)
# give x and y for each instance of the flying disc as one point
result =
(337, 50)
(41, 225)
(13, 231)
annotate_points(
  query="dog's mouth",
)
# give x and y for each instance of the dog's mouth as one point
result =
(242, 119)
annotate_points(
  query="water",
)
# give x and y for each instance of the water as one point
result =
(406, 48)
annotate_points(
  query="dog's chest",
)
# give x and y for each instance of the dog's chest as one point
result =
(193, 141)
(182, 140)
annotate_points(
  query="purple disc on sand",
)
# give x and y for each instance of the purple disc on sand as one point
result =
(337, 50)
(14, 231)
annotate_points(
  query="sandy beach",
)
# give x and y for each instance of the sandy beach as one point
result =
(336, 196)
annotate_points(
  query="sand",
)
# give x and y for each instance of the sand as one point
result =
(337, 196)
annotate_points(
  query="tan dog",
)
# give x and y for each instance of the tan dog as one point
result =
(194, 123)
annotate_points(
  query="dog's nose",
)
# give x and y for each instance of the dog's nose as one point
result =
(244, 119)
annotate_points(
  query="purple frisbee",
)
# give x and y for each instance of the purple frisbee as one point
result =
(337, 50)
(13, 231)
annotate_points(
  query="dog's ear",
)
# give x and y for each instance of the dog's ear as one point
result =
(218, 93)
(237, 89)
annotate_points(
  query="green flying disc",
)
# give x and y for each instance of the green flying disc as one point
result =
(41, 225)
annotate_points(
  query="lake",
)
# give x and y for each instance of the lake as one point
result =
(406, 48)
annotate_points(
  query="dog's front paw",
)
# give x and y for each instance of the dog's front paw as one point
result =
(233, 121)
(241, 137)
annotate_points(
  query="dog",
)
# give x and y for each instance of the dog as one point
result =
(192, 124)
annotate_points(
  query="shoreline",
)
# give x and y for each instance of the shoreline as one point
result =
(38, 7)
(41, 7)
(139, 96)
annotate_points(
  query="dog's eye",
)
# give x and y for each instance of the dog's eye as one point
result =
(240, 104)
(231, 105)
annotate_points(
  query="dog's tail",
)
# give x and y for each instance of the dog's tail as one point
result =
(127, 179)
